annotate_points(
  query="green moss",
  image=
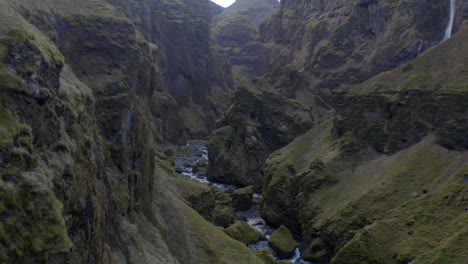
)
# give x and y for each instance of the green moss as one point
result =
(9, 82)
(242, 198)
(223, 215)
(213, 245)
(200, 166)
(199, 196)
(223, 198)
(360, 252)
(386, 199)
(35, 225)
(243, 232)
(281, 181)
(283, 242)
(266, 256)
(18, 36)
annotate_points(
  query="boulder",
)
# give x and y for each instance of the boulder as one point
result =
(243, 232)
(265, 256)
(223, 215)
(242, 198)
(283, 242)
(317, 251)
(200, 166)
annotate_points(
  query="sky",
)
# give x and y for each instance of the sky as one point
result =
(224, 3)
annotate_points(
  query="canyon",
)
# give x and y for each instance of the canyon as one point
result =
(178, 131)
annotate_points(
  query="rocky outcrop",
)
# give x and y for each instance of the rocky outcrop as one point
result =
(243, 232)
(260, 120)
(242, 198)
(397, 109)
(265, 255)
(235, 32)
(257, 10)
(215, 9)
(283, 242)
(197, 81)
(347, 42)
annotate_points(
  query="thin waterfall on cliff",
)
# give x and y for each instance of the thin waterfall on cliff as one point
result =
(448, 31)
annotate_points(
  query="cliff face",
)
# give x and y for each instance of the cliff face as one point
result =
(196, 77)
(267, 113)
(350, 201)
(85, 97)
(235, 33)
(337, 43)
(347, 42)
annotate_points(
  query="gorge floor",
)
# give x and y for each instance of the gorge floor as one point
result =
(196, 151)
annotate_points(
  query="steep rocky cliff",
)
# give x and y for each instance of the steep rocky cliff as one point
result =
(235, 32)
(335, 43)
(347, 42)
(353, 203)
(198, 79)
(87, 93)
(266, 114)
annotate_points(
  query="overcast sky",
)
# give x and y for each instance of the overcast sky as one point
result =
(224, 3)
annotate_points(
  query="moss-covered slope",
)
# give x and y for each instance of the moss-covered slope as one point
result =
(382, 180)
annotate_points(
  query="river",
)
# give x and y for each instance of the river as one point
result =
(197, 151)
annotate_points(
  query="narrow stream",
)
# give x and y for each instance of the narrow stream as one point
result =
(196, 151)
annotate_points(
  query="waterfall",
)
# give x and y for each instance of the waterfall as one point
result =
(448, 31)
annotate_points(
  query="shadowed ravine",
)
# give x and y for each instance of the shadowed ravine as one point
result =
(196, 151)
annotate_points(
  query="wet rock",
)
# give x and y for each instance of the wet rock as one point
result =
(283, 242)
(242, 198)
(317, 165)
(223, 198)
(242, 217)
(265, 256)
(223, 215)
(200, 167)
(243, 232)
(317, 251)
(464, 178)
